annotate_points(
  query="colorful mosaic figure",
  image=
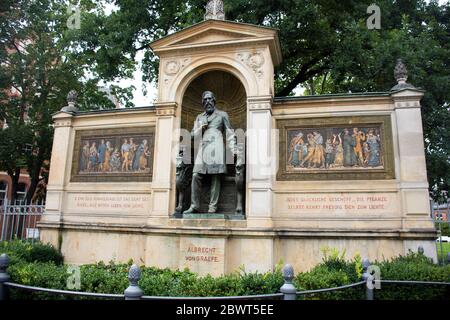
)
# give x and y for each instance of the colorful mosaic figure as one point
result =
(334, 148)
(106, 155)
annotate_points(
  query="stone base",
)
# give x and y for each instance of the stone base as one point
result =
(227, 216)
(221, 249)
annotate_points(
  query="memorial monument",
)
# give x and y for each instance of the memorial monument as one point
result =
(345, 171)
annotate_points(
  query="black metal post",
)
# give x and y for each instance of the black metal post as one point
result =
(366, 276)
(4, 276)
(288, 289)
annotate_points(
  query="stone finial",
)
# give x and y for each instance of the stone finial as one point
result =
(365, 264)
(133, 292)
(134, 275)
(288, 289)
(214, 10)
(400, 72)
(72, 98)
(71, 102)
(401, 75)
(288, 273)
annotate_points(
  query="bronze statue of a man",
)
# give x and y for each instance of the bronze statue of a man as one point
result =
(210, 128)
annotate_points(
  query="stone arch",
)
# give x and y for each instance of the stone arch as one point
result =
(182, 81)
(230, 95)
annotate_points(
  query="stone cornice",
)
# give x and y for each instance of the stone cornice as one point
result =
(259, 103)
(407, 98)
(62, 119)
(244, 231)
(62, 115)
(283, 102)
(166, 108)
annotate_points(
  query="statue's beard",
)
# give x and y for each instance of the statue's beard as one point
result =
(209, 108)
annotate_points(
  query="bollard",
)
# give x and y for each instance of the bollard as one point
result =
(133, 292)
(366, 276)
(4, 276)
(288, 289)
(420, 250)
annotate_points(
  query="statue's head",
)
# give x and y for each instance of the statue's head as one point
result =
(209, 102)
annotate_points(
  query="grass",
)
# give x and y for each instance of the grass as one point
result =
(445, 249)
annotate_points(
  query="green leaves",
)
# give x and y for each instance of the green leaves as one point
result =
(40, 265)
(41, 60)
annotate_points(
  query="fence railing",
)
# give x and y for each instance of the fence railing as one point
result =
(18, 220)
(440, 213)
(133, 292)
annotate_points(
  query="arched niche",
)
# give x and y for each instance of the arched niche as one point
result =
(231, 97)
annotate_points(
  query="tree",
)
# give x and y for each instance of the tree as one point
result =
(419, 33)
(39, 64)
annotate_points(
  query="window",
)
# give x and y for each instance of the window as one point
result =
(3, 191)
(21, 192)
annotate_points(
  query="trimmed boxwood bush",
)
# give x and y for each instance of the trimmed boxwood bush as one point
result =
(47, 271)
(412, 267)
(21, 250)
(334, 271)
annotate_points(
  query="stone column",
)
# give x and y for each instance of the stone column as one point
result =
(59, 163)
(413, 186)
(260, 162)
(163, 182)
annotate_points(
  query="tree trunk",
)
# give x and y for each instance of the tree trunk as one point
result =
(15, 220)
(34, 181)
(14, 184)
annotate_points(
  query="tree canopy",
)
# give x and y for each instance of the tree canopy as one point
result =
(40, 61)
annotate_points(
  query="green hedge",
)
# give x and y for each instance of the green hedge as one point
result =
(335, 271)
(112, 278)
(47, 271)
(412, 267)
(25, 251)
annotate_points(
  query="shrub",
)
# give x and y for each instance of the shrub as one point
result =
(334, 271)
(21, 250)
(413, 266)
(37, 274)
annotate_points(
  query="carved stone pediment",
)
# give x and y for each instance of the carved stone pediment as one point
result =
(213, 35)
(218, 33)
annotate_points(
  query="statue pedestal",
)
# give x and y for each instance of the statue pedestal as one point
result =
(226, 216)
